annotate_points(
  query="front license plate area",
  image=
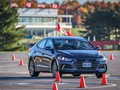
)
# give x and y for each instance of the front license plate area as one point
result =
(86, 65)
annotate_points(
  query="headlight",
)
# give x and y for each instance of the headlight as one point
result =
(102, 59)
(63, 58)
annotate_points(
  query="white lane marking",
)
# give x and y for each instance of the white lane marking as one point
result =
(18, 83)
(23, 83)
(5, 58)
(103, 86)
(90, 87)
(62, 83)
(10, 61)
(14, 72)
(114, 78)
(22, 72)
(12, 65)
(7, 66)
(8, 58)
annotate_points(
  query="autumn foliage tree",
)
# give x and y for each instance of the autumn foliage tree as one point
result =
(20, 3)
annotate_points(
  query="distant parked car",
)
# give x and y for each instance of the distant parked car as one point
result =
(68, 55)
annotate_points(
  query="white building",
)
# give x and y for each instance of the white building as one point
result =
(42, 22)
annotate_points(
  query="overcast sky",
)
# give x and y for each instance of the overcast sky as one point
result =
(81, 1)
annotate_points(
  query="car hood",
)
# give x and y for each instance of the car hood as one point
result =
(80, 53)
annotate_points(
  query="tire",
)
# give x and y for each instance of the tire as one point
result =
(76, 74)
(99, 75)
(54, 69)
(31, 69)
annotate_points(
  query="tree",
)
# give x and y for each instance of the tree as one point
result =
(9, 33)
(104, 22)
(34, 3)
(99, 26)
(21, 3)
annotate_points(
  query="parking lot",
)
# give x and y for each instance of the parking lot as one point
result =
(15, 76)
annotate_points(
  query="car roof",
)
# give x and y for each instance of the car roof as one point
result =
(66, 37)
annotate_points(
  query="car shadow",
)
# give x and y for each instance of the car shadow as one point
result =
(24, 78)
(30, 78)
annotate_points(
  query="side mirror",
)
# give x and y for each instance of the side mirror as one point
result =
(48, 48)
(98, 48)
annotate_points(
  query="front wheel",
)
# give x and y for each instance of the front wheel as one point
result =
(54, 69)
(99, 75)
(31, 69)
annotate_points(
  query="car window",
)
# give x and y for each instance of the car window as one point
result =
(85, 45)
(41, 44)
(72, 44)
(49, 43)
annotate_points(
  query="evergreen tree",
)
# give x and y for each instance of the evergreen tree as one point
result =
(104, 22)
(9, 33)
(98, 24)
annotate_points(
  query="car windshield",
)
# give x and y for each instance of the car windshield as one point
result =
(72, 44)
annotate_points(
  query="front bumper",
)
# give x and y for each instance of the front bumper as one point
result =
(76, 67)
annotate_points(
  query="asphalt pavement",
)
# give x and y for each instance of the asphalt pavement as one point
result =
(16, 77)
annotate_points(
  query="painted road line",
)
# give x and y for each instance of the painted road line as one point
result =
(14, 72)
(5, 58)
(102, 86)
(9, 61)
(114, 77)
(11, 66)
(97, 86)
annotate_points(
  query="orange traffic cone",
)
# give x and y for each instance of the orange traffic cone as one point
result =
(21, 62)
(54, 86)
(104, 80)
(82, 82)
(57, 78)
(111, 57)
(13, 57)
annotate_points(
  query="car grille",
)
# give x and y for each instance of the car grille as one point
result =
(78, 64)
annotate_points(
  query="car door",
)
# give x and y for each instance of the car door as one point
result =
(39, 55)
(49, 53)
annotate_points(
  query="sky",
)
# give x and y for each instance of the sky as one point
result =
(81, 1)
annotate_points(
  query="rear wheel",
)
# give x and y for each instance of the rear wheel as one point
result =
(31, 68)
(54, 69)
(76, 74)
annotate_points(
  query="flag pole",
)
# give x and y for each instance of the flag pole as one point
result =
(57, 22)
(56, 27)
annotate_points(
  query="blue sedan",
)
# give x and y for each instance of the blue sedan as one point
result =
(68, 55)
